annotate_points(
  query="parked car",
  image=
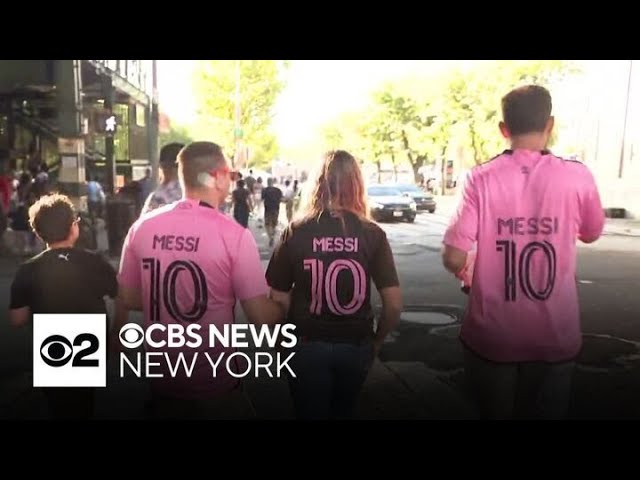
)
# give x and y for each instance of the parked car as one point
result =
(424, 200)
(388, 203)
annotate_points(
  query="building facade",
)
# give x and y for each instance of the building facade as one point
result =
(81, 118)
(599, 119)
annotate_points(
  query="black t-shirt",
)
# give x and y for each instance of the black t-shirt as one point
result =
(241, 199)
(250, 182)
(272, 197)
(64, 280)
(329, 266)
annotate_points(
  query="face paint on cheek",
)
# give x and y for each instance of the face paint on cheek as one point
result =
(206, 180)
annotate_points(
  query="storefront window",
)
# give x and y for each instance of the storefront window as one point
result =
(121, 139)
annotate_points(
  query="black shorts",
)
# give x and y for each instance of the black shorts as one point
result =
(271, 218)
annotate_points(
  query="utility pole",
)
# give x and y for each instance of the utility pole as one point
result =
(624, 128)
(237, 132)
(153, 125)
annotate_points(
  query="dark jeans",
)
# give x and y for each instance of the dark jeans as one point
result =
(527, 390)
(242, 217)
(329, 377)
(95, 209)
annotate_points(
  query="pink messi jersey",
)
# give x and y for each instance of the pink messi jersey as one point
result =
(192, 263)
(524, 211)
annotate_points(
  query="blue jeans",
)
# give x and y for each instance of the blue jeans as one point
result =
(329, 377)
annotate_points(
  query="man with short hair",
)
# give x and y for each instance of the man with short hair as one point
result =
(524, 209)
(169, 190)
(187, 262)
(62, 279)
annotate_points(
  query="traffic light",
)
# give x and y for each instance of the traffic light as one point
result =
(105, 122)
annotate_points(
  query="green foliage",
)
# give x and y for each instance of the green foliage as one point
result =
(177, 134)
(458, 108)
(260, 83)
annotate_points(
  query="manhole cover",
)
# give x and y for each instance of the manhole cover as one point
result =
(428, 318)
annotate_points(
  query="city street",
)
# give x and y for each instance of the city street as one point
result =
(419, 372)
(607, 383)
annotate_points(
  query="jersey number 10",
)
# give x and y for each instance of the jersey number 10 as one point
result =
(520, 269)
(324, 285)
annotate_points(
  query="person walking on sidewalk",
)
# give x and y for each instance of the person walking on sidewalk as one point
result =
(189, 241)
(241, 204)
(321, 271)
(271, 197)
(257, 198)
(524, 209)
(289, 195)
(62, 279)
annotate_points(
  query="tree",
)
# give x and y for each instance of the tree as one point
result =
(377, 136)
(412, 128)
(332, 136)
(351, 131)
(177, 134)
(261, 82)
(457, 109)
(473, 97)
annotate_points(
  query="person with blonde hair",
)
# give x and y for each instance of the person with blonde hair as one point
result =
(321, 272)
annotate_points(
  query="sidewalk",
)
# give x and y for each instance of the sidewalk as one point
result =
(392, 391)
(622, 226)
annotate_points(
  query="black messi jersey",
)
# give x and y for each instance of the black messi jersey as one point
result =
(328, 265)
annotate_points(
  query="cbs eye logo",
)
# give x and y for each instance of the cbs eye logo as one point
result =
(131, 335)
(69, 350)
(56, 351)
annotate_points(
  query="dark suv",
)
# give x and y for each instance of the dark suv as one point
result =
(424, 200)
(388, 203)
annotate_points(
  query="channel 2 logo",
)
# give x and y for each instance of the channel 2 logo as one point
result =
(69, 350)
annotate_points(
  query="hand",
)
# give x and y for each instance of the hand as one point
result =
(465, 275)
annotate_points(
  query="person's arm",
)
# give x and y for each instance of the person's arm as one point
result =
(591, 213)
(101, 196)
(384, 275)
(106, 276)
(19, 316)
(129, 290)
(454, 259)
(283, 298)
(279, 274)
(21, 298)
(391, 310)
(249, 200)
(249, 284)
(107, 285)
(462, 232)
(262, 310)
